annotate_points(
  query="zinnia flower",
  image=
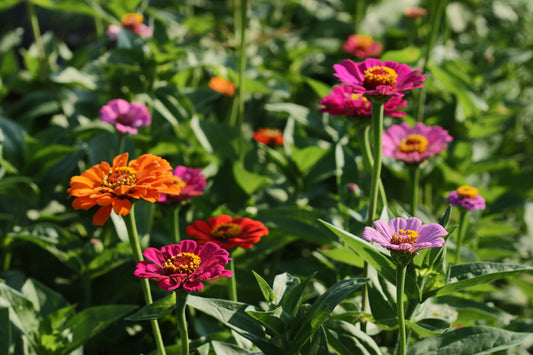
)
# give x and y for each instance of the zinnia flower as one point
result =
(343, 100)
(221, 85)
(414, 11)
(132, 22)
(362, 46)
(125, 116)
(414, 145)
(186, 264)
(467, 197)
(269, 136)
(115, 187)
(194, 183)
(375, 78)
(405, 235)
(228, 232)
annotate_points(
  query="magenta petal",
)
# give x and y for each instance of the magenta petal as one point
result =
(431, 232)
(193, 286)
(155, 256)
(397, 223)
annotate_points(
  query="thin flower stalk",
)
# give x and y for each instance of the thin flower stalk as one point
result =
(400, 285)
(181, 306)
(133, 237)
(463, 225)
(414, 181)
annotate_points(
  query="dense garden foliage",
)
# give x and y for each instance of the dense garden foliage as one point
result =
(277, 177)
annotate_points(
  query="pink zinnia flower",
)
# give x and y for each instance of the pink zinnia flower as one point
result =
(125, 116)
(376, 78)
(405, 235)
(345, 101)
(414, 11)
(362, 46)
(184, 265)
(132, 22)
(467, 197)
(194, 183)
(113, 31)
(414, 145)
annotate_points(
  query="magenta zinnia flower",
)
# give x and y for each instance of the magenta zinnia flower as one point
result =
(467, 197)
(343, 100)
(194, 184)
(184, 265)
(376, 78)
(405, 235)
(414, 145)
(362, 46)
(125, 116)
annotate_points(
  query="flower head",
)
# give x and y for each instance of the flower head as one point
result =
(194, 183)
(414, 11)
(414, 145)
(221, 85)
(362, 46)
(376, 78)
(125, 116)
(405, 235)
(228, 232)
(132, 22)
(467, 197)
(269, 136)
(184, 265)
(115, 187)
(343, 100)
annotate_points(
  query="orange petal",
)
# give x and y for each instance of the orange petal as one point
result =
(120, 160)
(122, 206)
(102, 215)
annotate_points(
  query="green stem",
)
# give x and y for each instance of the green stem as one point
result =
(176, 224)
(121, 143)
(133, 237)
(36, 30)
(414, 181)
(233, 282)
(377, 130)
(364, 140)
(181, 305)
(99, 23)
(463, 222)
(400, 282)
(435, 25)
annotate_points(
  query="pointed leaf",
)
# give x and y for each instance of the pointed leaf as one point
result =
(429, 327)
(347, 339)
(292, 300)
(248, 181)
(476, 340)
(267, 291)
(156, 310)
(468, 275)
(270, 319)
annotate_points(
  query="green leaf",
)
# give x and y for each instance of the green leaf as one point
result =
(156, 310)
(267, 291)
(429, 327)
(215, 138)
(248, 181)
(73, 76)
(283, 284)
(227, 349)
(5, 330)
(345, 255)
(76, 6)
(468, 275)
(320, 311)
(382, 298)
(271, 319)
(476, 340)
(92, 321)
(292, 298)
(234, 316)
(307, 157)
(318, 87)
(44, 299)
(347, 339)
(108, 260)
(376, 259)
(22, 313)
(407, 55)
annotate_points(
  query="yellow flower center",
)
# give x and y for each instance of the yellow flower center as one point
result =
(120, 176)
(404, 236)
(413, 143)
(182, 263)
(226, 231)
(467, 191)
(131, 20)
(357, 97)
(364, 41)
(375, 76)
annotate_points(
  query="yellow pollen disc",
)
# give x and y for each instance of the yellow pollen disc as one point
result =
(364, 41)
(120, 176)
(413, 143)
(404, 236)
(182, 263)
(375, 76)
(467, 191)
(226, 231)
(357, 97)
(131, 20)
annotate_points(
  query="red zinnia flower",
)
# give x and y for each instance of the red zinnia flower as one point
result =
(268, 136)
(185, 264)
(228, 232)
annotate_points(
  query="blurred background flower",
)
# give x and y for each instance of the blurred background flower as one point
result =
(362, 46)
(125, 116)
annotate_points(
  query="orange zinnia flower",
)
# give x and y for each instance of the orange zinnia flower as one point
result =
(268, 136)
(221, 85)
(227, 232)
(114, 187)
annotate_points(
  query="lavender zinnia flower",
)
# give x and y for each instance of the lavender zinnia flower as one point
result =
(416, 144)
(125, 116)
(405, 235)
(467, 197)
(194, 184)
